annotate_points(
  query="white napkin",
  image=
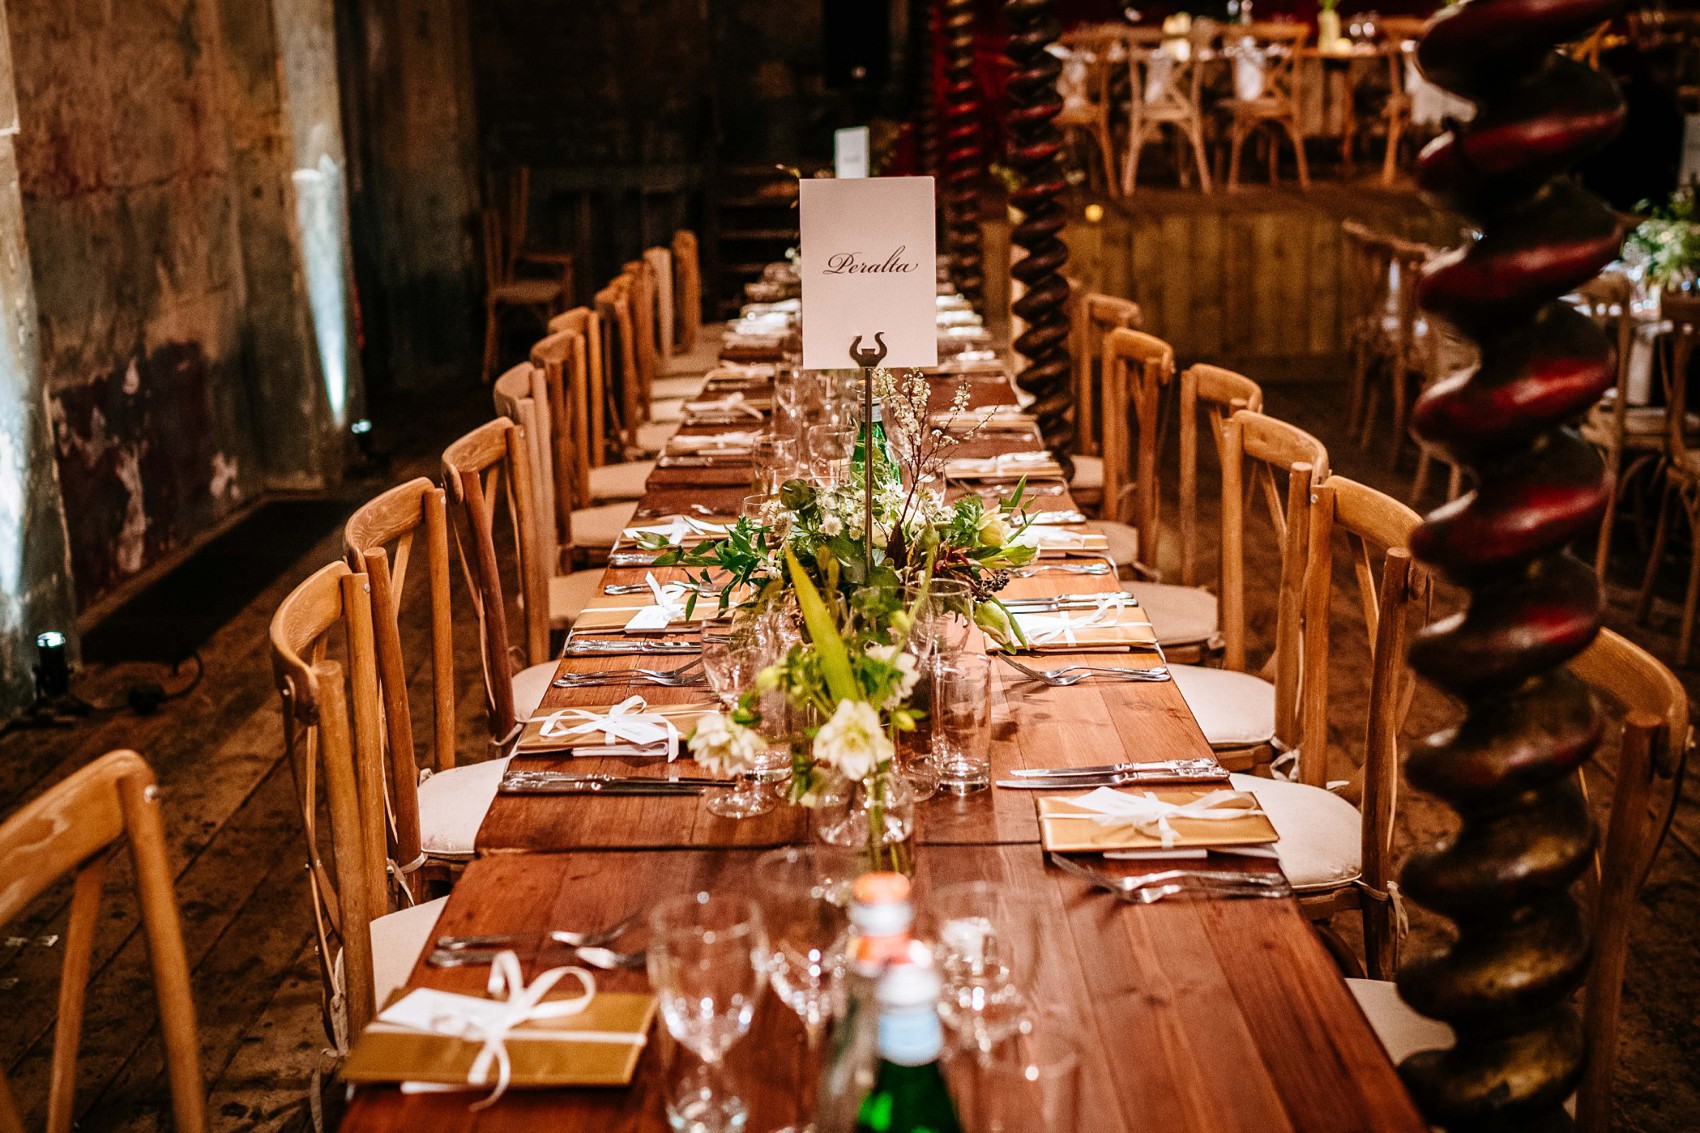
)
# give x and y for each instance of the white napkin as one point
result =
(1053, 538)
(739, 440)
(733, 404)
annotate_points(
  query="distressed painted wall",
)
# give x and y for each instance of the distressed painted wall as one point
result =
(35, 577)
(177, 347)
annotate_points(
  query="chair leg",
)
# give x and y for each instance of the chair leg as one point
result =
(1401, 409)
(1355, 392)
(1236, 141)
(1130, 166)
(1419, 482)
(1196, 137)
(1370, 400)
(1299, 153)
(1644, 601)
(1274, 157)
(1602, 550)
(1455, 482)
(1390, 163)
(1685, 632)
(491, 330)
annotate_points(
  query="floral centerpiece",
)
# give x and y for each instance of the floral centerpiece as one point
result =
(855, 671)
(1666, 245)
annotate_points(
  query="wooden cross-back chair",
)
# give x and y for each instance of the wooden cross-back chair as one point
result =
(1606, 301)
(521, 395)
(1138, 367)
(1166, 93)
(660, 263)
(330, 728)
(1396, 32)
(585, 322)
(1277, 104)
(382, 539)
(1367, 275)
(1091, 317)
(1652, 759)
(640, 303)
(75, 827)
(504, 292)
(490, 463)
(1219, 393)
(613, 308)
(687, 288)
(514, 193)
(1094, 51)
(1674, 356)
(568, 392)
(1407, 347)
(1372, 525)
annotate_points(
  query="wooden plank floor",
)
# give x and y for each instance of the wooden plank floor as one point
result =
(236, 844)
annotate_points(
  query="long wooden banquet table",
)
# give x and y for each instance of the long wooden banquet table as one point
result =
(1193, 1015)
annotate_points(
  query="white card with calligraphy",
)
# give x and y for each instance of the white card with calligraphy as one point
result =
(868, 269)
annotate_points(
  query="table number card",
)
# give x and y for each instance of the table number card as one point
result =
(868, 268)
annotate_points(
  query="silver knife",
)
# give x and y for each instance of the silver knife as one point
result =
(1066, 602)
(602, 646)
(1186, 768)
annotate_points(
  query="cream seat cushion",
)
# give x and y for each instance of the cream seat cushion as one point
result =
(1401, 1030)
(600, 526)
(654, 435)
(681, 387)
(1088, 472)
(452, 803)
(530, 686)
(626, 481)
(569, 594)
(1181, 615)
(1123, 540)
(1321, 844)
(398, 938)
(1232, 709)
(671, 409)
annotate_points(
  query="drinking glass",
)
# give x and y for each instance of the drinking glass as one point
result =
(945, 617)
(962, 722)
(775, 459)
(708, 965)
(991, 959)
(731, 664)
(830, 450)
(1029, 1084)
(803, 898)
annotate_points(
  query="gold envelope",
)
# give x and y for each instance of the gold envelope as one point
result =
(605, 619)
(1084, 542)
(1130, 630)
(386, 1053)
(1065, 828)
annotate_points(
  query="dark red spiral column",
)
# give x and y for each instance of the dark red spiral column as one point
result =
(964, 159)
(1035, 146)
(1509, 766)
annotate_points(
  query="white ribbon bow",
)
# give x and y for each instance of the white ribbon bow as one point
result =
(732, 440)
(1150, 815)
(1042, 629)
(626, 721)
(731, 403)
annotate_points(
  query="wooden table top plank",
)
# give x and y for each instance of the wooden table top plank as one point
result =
(1199, 1016)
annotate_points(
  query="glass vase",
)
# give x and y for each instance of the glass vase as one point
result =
(875, 817)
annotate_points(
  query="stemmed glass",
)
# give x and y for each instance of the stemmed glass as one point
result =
(990, 958)
(803, 897)
(708, 965)
(731, 665)
(775, 458)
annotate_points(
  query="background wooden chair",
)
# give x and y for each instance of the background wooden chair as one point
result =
(1091, 317)
(1651, 760)
(568, 393)
(486, 465)
(514, 194)
(586, 323)
(659, 261)
(74, 827)
(1359, 853)
(1167, 95)
(1395, 33)
(435, 812)
(1244, 715)
(1136, 368)
(1276, 105)
(1216, 394)
(1682, 467)
(331, 727)
(503, 291)
(1366, 267)
(687, 288)
(1087, 92)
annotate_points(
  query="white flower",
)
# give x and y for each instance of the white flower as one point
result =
(722, 745)
(831, 526)
(852, 741)
(904, 663)
(994, 532)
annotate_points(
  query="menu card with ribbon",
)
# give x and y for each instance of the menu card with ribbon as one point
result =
(1008, 466)
(1116, 622)
(545, 1034)
(1060, 542)
(1152, 818)
(631, 727)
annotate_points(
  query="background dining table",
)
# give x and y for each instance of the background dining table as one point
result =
(1194, 1015)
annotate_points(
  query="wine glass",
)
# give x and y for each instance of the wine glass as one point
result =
(991, 959)
(803, 900)
(830, 450)
(731, 663)
(775, 458)
(708, 965)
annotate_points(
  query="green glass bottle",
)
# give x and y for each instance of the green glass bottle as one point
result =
(909, 1094)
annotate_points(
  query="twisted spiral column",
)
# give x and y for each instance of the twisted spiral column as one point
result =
(964, 158)
(1509, 766)
(1035, 144)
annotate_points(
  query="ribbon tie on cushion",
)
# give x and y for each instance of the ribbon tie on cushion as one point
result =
(625, 721)
(1151, 815)
(1043, 629)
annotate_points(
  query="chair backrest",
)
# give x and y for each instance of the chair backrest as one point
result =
(1646, 788)
(380, 539)
(1093, 50)
(331, 732)
(1675, 353)
(687, 287)
(1091, 317)
(1220, 394)
(1162, 86)
(588, 324)
(1373, 525)
(660, 262)
(614, 309)
(641, 304)
(1137, 368)
(521, 395)
(73, 828)
(1285, 464)
(497, 267)
(1281, 45)
(1406, 259)
(489, 463)
(1366, 278)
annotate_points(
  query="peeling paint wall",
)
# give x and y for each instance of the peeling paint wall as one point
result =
(177, 347)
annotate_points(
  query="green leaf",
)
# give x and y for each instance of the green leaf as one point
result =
(823, 632)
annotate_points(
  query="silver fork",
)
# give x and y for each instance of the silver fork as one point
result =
(597, 957)
(667, 678)
(1220, 882)
(564, 937)
(1066, 675)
